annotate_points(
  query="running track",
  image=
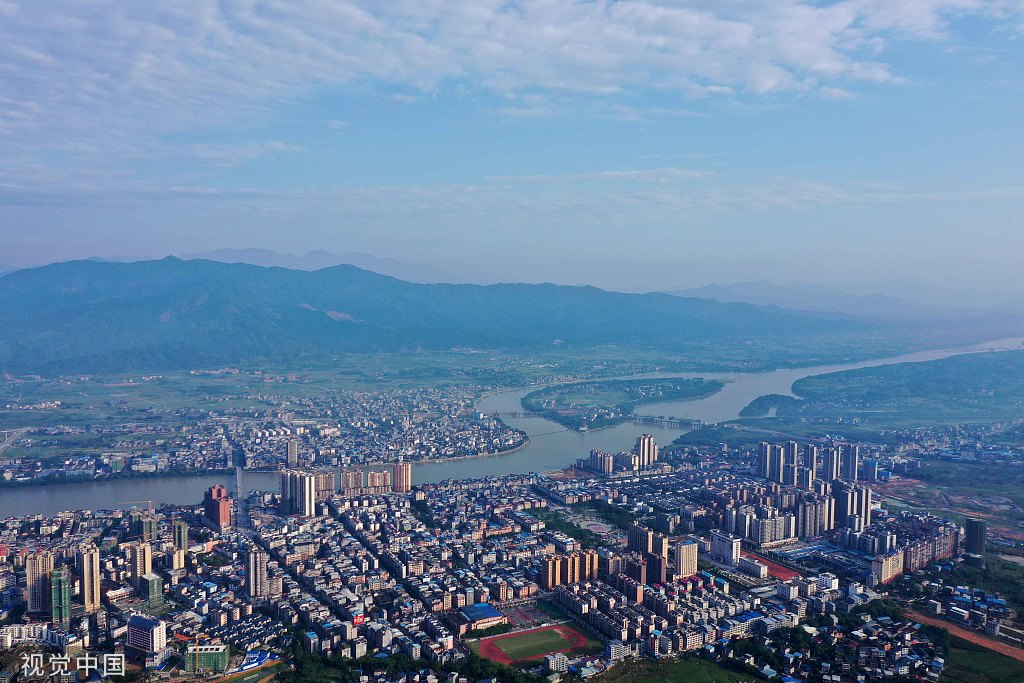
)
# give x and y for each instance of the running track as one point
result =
(490, 649)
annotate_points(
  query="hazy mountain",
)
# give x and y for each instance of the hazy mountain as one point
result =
(320, 258)
(814, 297)
(170, 313)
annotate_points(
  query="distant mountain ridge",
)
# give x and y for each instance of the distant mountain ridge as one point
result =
(83, 316)
(321, 258)
(815, 297)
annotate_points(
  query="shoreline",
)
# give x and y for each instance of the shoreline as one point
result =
(460, 458)
(178, 474)
(185, 474)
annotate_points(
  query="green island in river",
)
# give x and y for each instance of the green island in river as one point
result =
(592, 405)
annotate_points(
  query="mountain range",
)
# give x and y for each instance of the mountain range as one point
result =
(321, 258)
(92, 316)
(815, 297)
(167, 314)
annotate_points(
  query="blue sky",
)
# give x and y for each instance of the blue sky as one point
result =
(631, 144)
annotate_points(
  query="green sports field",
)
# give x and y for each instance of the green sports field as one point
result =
(532, 644)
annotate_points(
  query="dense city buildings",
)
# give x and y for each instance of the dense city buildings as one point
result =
(335, 430)
(661, 556)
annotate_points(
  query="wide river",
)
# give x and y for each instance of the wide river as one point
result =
(551, 446)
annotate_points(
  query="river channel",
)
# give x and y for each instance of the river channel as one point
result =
(551, 446)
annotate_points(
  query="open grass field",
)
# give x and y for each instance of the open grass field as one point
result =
(966, 639)
(970, 663)
(533, 644)
(680, 671)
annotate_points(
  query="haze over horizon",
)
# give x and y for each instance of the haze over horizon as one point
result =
(634, 145)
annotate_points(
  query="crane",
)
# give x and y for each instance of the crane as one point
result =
(197, 637)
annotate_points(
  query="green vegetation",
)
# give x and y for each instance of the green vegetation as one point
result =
(997, 576)
(982, 387)
(978, 480)
(593, 405)
(336, 669)
(421, 511)
(612, 514)
(970, 663)
(556, 522)
(764, 405)
(870, 404)
(532, 644)
(553, 611)
(876, 608)
(493, 631)
(673, 671)
(88, 316)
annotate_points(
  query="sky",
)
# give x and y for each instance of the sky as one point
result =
(632, 145)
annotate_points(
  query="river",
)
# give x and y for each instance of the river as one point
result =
(551, 446)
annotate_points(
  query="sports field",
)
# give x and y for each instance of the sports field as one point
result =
(532, 644)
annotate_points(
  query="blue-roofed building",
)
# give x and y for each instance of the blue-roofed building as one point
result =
(477, 617)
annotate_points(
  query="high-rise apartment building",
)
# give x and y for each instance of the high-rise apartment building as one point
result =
(217, 506)
(401, 477)
(38, 568)
(640, 539)
(850, 461)
(298, 493)
(256, 573)
(831, 465)
(852, 505)
(646, 450)
(151, 587)
(686, 559)
(181, 535)
(725, 547)
(140, 562)
(764, 460)
(60, 597)
(976, 530)
(89, 575)
(776, 463)
(575, 567)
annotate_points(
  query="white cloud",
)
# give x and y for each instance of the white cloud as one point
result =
(652, 175)
(118, 78)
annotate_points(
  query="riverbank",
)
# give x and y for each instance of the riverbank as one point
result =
(462, 458)
(127, 476)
